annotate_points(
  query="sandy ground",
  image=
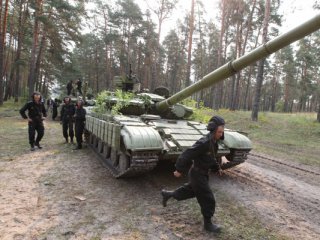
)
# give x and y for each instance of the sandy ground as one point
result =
(58, 193)
(285, 195)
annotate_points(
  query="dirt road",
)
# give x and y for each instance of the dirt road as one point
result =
(58, 193)
(285, 195)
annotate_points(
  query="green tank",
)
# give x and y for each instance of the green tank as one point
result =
(153, 127)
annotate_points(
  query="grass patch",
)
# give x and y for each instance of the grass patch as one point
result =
(292, 136)
(239, 223)
(13, 138)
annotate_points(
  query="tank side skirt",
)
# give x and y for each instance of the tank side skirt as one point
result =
(140, 162)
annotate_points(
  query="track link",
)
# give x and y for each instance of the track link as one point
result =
(285, 164)
(139, 162)
(236, 157)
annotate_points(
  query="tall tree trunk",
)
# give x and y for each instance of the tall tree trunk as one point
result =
(255, 109)
(191, 28)
(219, 88)
(39, 59)
(245, 99)
(318, 115)
(32, 72)
(18, 54)
(3, 30)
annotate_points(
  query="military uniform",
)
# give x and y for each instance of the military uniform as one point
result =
(35, 112)
(200, 159)
(203, 153)
(79, 86)
(67, 112)
(69, 88)
(80, 118)
(55, 106)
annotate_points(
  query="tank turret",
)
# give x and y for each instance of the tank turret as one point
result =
(153, 126)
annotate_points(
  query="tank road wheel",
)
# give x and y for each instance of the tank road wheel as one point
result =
(86, 136)
(100, 146)
(91, 139)
(106, 151)
(96, 142)
(124, 162)
(114, 157)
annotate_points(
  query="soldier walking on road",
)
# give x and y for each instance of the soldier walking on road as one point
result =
(67, 112)
(36, 114)
(203, 157)
(69, 87)
(55, 106)
(80, 118)
(79, 86)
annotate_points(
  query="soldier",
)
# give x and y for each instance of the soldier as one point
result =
(69, 87)
(79, 86)
(80, 118)
(55, 106)
(85, 90)
(67, 112)
(36, 114)
(202, 157)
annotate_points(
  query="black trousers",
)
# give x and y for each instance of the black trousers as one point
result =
(33, 127)
(198, 186)
(69, 91)
(79, 127)
(54, 113)
(67, 125)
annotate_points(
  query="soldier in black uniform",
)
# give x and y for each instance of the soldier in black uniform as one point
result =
(36, 114)
(79, 86)
(69, 87)
(55, 106)
(67, 112)
(202, 157)
(80, 118)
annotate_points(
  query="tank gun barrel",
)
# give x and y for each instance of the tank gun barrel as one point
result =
(236, 65)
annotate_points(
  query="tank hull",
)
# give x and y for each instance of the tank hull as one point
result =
(131, 146)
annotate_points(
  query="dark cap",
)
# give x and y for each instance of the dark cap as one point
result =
(215, 122)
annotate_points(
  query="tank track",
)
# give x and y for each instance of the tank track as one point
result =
(236, 157)
(139, 163)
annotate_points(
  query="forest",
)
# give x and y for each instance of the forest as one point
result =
(45, 44)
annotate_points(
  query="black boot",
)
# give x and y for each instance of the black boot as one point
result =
(66, 140)
(38, 145)
(166, 195)
(210, 227)
(32, 147)
(79, 146)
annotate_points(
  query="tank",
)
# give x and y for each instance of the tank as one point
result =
(154, 127)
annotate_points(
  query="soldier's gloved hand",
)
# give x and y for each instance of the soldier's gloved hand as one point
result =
(177, 174)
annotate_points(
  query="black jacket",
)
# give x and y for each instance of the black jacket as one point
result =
(67, 112)
(69, 85)
(79, 84)
(35, 110)
(202, 154)
(80, 115)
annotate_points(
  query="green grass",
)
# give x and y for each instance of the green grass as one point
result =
(10, 109)
(240, 223)
(237, 221)
(294, 137)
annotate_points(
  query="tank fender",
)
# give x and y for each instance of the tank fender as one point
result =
(233, 139)
(141, 138)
